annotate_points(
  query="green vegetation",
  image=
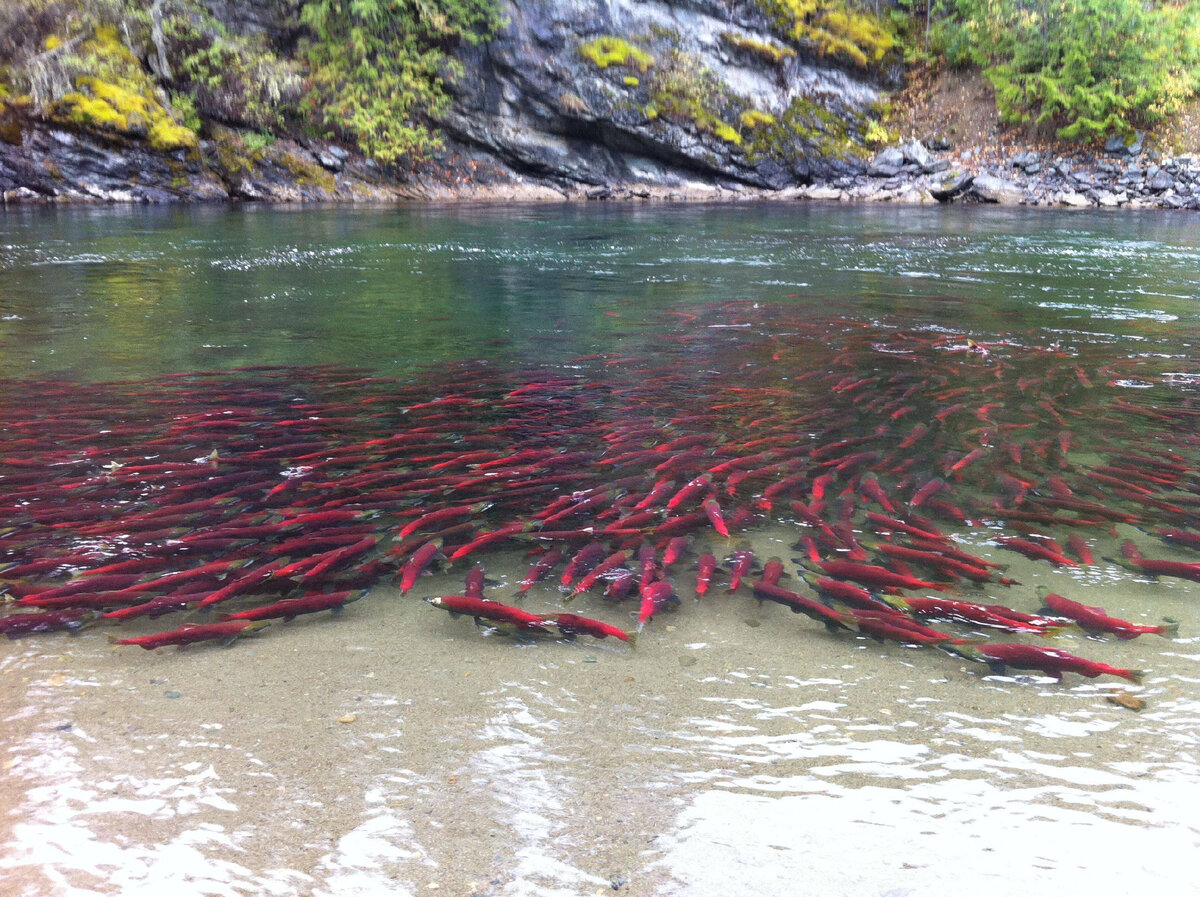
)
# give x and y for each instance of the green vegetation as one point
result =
(770, 53)
(377, 67)
(833, 28)
(234, 79)
(753, 118)
(608, 50)
(370, 71)
(1081, 68)
(685, 91)
(110, 91)
(804, 124)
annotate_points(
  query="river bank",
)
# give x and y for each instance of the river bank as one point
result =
(52, 166)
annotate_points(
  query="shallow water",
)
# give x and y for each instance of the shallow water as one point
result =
(740, 749)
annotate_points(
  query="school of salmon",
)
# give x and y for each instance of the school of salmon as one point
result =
(230, 499)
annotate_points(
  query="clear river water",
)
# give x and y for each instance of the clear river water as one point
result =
(1037, 370)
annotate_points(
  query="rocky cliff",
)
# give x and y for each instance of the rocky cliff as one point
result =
(693, 97)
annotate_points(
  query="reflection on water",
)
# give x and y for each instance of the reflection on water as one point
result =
(105, 293)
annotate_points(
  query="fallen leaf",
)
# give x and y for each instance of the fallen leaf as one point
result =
(1126, 700)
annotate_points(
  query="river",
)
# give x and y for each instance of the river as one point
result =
(738, 749)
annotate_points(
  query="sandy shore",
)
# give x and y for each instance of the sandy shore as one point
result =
(395, 750)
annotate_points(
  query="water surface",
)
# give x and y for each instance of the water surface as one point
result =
(739, 749)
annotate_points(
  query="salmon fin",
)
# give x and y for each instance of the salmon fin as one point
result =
(966, 652)
(632, 638)
(1169, 628)
(1134, 676)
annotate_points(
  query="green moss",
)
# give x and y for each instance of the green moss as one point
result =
(306, 173)
(378, 68)
(631, 81)
(91, 112)
(113, 94)
(233, 158)
(166, 135)
(727, 133)
(608, 50)
(752, 118)
(685, 91)
(771, 53)
(804, 126)
(832, 28)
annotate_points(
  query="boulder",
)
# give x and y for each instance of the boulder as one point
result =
(914, 151)
(1117, 145)
(990, 188)
(1159, 182)
(952, 187)
(330, 162)
(1074, 200)
(825, 193)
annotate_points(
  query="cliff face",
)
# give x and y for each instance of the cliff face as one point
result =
(656, 93)
(570, 97)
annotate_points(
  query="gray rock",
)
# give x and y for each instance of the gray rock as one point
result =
(330, 162)
(1118, 146)
(1021, 160)
(247, 189)
(937, 166)
(914, 151)
(825, 193)
(990, 188)
(1161, 181)
(952, 187)
(877, 170)
(890, 157)
(773, 174)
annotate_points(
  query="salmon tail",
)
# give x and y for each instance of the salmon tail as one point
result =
(1134, 676)
(632, 637)
(113, 640)
(967, 652)
(1169, 628)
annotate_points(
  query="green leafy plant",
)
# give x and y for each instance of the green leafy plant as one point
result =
(1082, 68)
(378, 67)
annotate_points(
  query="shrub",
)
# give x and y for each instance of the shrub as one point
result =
(378, 67)
(1082, 68)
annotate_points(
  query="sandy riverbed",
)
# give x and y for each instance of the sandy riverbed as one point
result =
(739, 750)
